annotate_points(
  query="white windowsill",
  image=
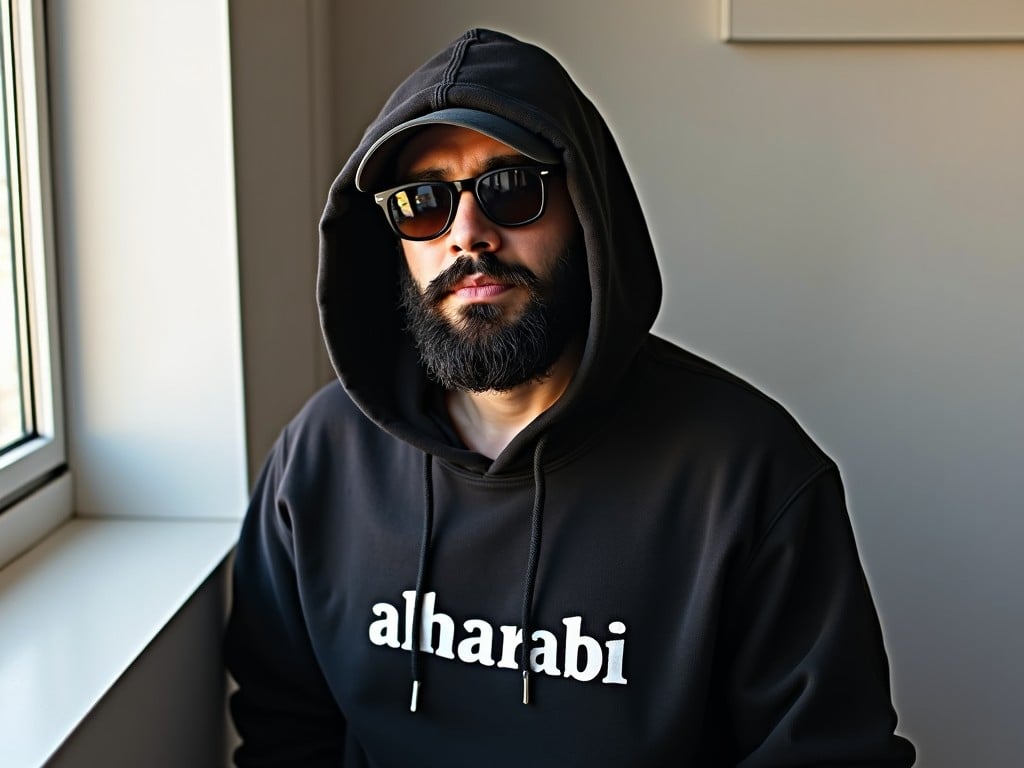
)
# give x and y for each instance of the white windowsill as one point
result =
(79, 608)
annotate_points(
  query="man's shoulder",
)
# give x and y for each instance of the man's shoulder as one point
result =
(327, 415)
(700, 400)
(670, 361)
(329, 402)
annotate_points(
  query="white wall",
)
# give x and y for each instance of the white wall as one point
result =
(841, 224)
(148, 257)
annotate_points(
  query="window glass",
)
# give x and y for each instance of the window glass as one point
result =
(13, 425)
(31, 415)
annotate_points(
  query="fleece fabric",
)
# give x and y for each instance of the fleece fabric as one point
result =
(699, 600)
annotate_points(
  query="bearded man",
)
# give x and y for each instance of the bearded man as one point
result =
(523, 529)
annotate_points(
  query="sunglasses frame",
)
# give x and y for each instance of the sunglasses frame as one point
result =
(472, 184)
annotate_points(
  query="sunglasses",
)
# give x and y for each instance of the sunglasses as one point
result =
(510, 197)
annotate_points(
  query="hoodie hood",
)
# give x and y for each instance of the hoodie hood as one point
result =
(358, 282)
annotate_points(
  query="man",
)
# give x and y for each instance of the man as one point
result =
(524, 530)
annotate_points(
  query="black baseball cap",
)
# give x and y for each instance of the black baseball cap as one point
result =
(379, 157)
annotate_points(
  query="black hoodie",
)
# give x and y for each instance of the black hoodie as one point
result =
(676, 545)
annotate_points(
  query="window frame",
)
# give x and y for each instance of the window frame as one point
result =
(27, 467)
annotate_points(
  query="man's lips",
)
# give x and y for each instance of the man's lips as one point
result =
(480, 287)
(482, 279)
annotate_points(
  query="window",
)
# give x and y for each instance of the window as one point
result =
(31, 432)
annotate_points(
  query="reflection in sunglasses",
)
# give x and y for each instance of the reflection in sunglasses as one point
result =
(402, 201)
(425, 197)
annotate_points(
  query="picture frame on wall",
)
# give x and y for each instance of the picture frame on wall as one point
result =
(871, 20)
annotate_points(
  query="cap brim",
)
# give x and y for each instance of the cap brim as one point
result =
(378, 158)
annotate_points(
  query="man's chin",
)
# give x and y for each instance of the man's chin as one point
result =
(481, 319)
(506, 310)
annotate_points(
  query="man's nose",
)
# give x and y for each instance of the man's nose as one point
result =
(471, 231)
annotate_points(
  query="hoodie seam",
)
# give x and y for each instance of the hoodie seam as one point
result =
(440, 98)
(819, 471)
(542, 117)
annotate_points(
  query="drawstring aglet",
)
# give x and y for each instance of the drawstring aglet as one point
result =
(415, 695)
(526, 686)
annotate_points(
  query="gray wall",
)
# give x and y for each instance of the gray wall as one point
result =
(284, 163)
(841, 224)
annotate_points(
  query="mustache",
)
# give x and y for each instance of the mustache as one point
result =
(486, 264)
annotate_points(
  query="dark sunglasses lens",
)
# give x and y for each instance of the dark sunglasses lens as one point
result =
(512, 196)
(421, 211)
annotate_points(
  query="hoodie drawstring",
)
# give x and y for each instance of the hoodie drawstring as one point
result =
(421, 573)
(529, 581)
(531, 564)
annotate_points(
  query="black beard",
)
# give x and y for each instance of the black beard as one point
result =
(482, 351)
